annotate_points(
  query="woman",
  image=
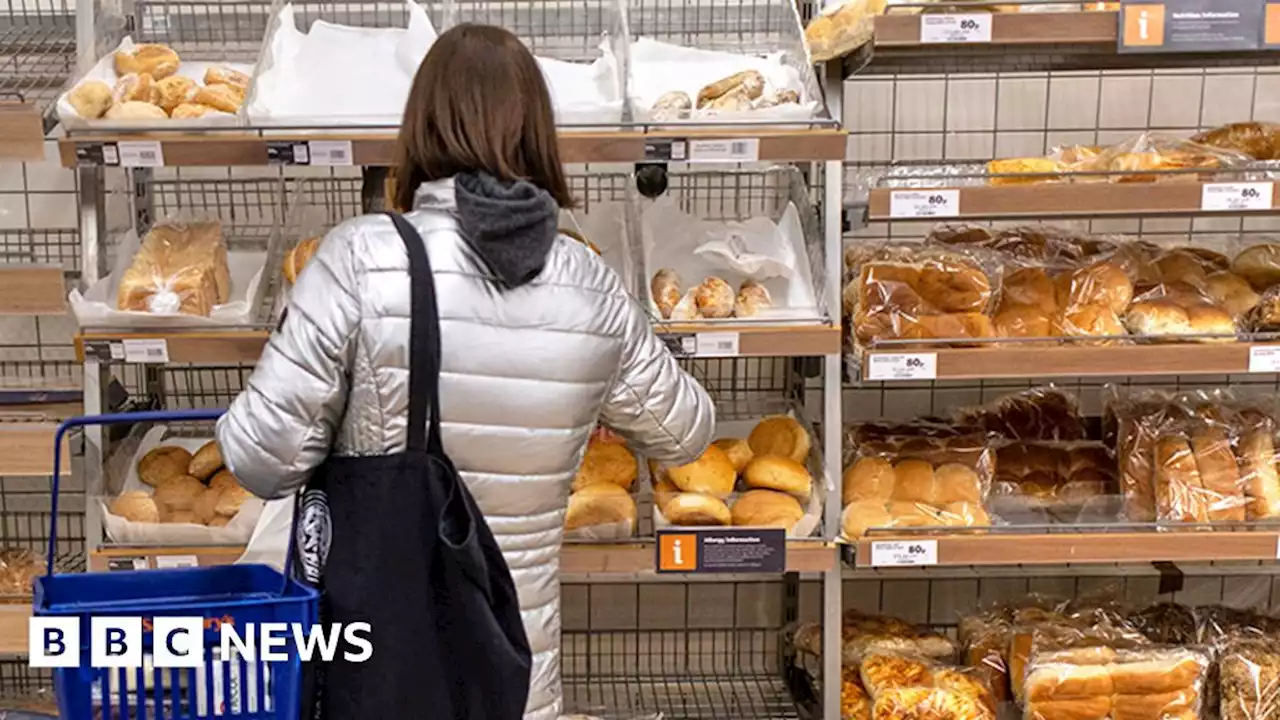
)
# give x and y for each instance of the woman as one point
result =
(540, 340)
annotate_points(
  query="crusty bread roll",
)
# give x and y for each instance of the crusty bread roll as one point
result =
(136, 111)
(914, 482)
(606, 462)
(663, 491)
(189, 111)
(135, 88)
(599, 504)
(714, 298)
(696, 510)
(1085, 708)
(774, 472)
(674, 105)
(665, 289)
(780, 435)
(206, 461)
(766, 508)
(226, 76)
(752, 298)
(1179, 489)
(750, 83)
(205, 508)
(158, 61)
(738, 450)
(135, 506)
(870, 478)
(298, 257)
(1156, 677)
(223, 98)
(220, 521)
(1061, 682)
(1262, 483)
(223, 479)
(711, 474)
(956, 483)
(173, 91)
(91, 99)
(230, 499)
(862, 515)
(173, 517)
(163, 464)
(687, 309)
(1259, 265)
(1220, 475)
(179, 493)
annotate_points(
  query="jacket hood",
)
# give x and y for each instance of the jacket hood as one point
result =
(510, 225)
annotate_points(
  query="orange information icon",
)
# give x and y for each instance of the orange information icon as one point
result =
(1271, 34)
(1144, 25)
(677, 553)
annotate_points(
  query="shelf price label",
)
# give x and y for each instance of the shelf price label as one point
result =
(1237, 196)
(140, 153)
(902, 366)
(924, 203)
(732, 150)
(1264, 359)
(716, 344)
(148, 350)
(177, 561)
(331, 152)
(953, 29)
(911, 553)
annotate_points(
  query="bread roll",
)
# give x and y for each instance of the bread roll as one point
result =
(964, 514)
(1155, 677)
(860, 516)
(696, 510)
(1179, 489)
(173, 91)
(206, 461)
(870, 478)
(665, 289)
(158, 61)
(956, 483)
(189, 111)
(599, 504)
(711, 474)
(774, 472)
(1181, 267)
(91, 99)
(1261, 482)
(1031, 288)
(223, 479)
(914, 482)
(1103, 283)
(219, 521)
(663, 491)
(174, 517)
(223, 98)
(226, 76)
(1063, 682)
(1220, 475)
(1088, 708)
(738, 450)
(687, 309)
(752, 298)
(135, 506)
(606, 462)
(205, 507)
(180, 493)
(230, 499)
(1210, 320)
(780, 435)
(913, 514)
(750, 83)
(714, 298)
(1022, 322)
(298, 256)
(1093, 321)
(163, 464)
(674, 105)
(1158, 317)
(1231, 292)
(135, 88)
(954, 287)
(1259, 265)
(767, 508)
(1159, 706)
(136, 111)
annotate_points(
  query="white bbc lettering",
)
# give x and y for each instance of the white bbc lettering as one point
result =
(53, 642)
(179, 641)
(115, 642)
(366, 647)
(275, 638)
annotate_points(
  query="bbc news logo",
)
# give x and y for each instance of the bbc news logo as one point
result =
(179, 642)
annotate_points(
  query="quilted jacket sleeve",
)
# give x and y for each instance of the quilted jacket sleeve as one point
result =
(659, 408)
(282, 424)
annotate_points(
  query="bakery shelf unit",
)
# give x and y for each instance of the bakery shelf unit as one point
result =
(706, 646)
(37, 56)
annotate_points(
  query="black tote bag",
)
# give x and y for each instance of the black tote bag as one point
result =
(398, 542)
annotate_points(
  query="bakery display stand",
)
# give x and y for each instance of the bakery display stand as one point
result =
(635, 641)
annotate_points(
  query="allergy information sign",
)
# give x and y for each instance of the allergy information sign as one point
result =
(721, 550)
(1178, 26)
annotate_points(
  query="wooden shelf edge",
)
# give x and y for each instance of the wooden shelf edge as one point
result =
(26, 449)
(1068, 200)
(767, 340)
(896, 30)
(32, 290)
(1092, 548)
(980, 363)
(21, 132)
(249, 148)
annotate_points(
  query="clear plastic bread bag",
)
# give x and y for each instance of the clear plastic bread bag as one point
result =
(842, 27)
(1102, 681)
(1194, 298)
(1253, 139)
(984, 643)
(1156, 157)
(1093, 298)
(1197, 476)
(905, 292)
(904, 685)
(602, 503)
(862, 633)
(1249, 679)
(1039, 413)
(918, 482)
(180, 267)
(1044, 482)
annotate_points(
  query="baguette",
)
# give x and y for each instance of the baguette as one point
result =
(750, 81)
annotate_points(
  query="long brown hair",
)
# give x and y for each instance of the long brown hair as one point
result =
(478, 103)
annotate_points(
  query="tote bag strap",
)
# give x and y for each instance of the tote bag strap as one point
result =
(424, 344)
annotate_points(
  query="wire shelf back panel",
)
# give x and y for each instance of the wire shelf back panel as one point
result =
(553, 29)
(37, 50)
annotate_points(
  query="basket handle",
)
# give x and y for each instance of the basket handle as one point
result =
(108, 419)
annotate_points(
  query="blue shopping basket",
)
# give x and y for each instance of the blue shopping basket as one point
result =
(239, 594)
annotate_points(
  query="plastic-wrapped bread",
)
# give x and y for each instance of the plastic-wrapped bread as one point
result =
(1260, 141)
(1259, 265)
(665, 289)
(1224, 489)
(752, 298)
(1180, 491)
(1261, 483)
(180, 268)
(1249, 671)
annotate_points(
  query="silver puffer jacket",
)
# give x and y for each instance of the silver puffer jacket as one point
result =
(527, 373)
